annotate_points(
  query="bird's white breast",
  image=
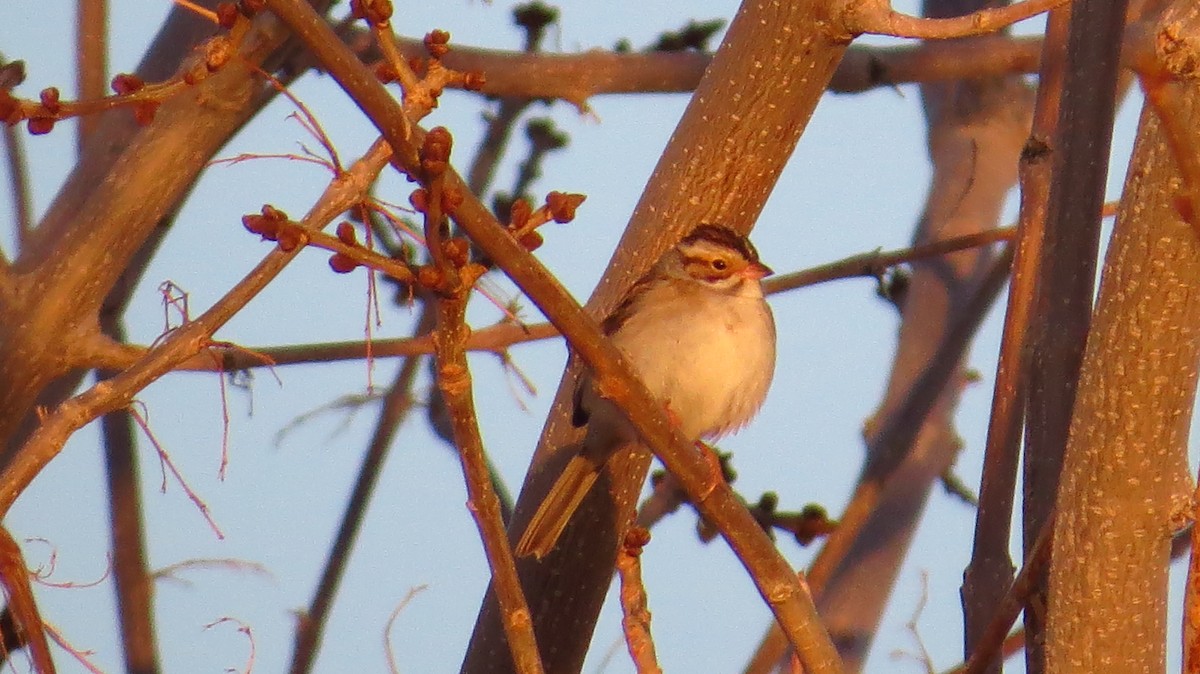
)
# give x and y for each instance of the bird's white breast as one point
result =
(709, 356)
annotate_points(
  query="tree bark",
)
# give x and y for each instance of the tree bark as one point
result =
(1124, 476)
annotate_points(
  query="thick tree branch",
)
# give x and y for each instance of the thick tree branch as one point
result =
(1124, 482)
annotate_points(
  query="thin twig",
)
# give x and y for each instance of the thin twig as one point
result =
(634, 609)
(387, 643)
(878, 18)
(454, 381)
(1009, 608)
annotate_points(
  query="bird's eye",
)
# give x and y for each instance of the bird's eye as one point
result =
(719, 264)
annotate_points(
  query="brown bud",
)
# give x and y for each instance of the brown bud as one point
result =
(39, 126)
(434, 168)
(346, 234)
(127, 83)
(342, 264)
(436, 43)
(376, 12)
(437, 144)
(419, 200)
(265, 227)
(562, 206)
(457, 250)
(636, 538)
(227, 14)
(251, 7)
(50, 100)
(532, 241)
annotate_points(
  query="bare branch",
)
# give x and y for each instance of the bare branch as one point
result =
(635, 613)
(878, 18)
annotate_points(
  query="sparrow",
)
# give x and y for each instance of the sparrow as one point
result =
(698, 332)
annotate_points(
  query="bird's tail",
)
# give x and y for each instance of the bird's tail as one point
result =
(556, 510)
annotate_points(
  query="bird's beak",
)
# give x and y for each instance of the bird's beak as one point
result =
(756, 271)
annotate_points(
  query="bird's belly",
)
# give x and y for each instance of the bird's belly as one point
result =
(712, 374)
